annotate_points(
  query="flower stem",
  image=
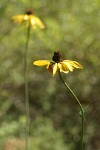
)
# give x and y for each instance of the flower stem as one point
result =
(81, 109)
(26, 90)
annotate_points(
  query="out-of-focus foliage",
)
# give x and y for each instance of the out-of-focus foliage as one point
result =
(43, 135)
(73, 27)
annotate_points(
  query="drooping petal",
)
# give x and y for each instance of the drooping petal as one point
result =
(33, 24)
(77, 65)
(74, 64)
(26, 17)
(19, 18)
(55, 68)
(32, 20)
(63, 67)
(59, 67)
(41, 62)
(38, 22)
(68, 65)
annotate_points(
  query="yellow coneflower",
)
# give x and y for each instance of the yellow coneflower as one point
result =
(58, 64)
(30, 19)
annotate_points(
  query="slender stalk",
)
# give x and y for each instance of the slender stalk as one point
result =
(26, 90)
(81, 109)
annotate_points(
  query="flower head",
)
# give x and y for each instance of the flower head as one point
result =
(29, 18)
(58, 64)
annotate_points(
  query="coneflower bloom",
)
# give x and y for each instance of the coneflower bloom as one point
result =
(30, 19)
(58, 64)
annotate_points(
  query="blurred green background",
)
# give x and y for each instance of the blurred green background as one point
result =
(72, 27)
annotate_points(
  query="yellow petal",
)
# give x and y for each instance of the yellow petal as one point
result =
(41, 62)
(63, 67)
(77, 65)
(74, 64)
(32, 21)
(19, 18)
(38, 22)
(59, 67)
(55, 68)
(33, 24)
(68, 65)
(26, 17)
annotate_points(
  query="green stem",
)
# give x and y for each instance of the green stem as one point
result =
(81, 109)
(26, 90)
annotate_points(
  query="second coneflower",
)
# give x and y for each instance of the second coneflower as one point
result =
(30, 19)
(58, 64)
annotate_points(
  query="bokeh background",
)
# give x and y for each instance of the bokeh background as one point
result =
(72, 27)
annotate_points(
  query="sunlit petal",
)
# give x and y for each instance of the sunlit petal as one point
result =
(32, 21)
(41, 62)
(59, 67)
(39, 22)
(68, 65)
(19, 18)
(26, 17)
(74, 64)
(77, 65)
(63, 67)
(55, 68)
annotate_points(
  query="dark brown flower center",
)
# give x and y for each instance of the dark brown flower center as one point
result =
(57, 57)
(29, 12)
